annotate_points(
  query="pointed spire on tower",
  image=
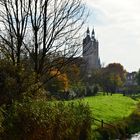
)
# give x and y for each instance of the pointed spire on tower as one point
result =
(93, 33)
(87, 38)
(88, 31)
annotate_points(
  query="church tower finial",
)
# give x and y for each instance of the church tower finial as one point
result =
(93, 33)
(88, 31)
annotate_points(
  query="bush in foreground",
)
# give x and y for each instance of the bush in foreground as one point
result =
(40, 120)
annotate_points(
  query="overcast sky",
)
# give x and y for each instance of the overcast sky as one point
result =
(117, 27)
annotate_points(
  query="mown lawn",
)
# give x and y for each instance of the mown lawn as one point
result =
(110, 108)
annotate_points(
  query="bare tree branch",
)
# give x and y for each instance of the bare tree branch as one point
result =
(43, 29)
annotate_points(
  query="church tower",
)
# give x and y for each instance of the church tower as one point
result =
(91, 51)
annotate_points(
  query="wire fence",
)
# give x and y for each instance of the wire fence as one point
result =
(103, 123)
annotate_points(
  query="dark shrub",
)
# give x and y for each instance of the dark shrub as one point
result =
(1, 120)
(95, 90)
(15, 82)
(40, 120)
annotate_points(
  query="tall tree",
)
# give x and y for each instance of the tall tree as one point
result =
(13, 23)
(55, 25)
(113, 77)
(117, 68)
(46, 30)
(13, 26)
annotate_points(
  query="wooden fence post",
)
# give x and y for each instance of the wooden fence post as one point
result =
(102, 123)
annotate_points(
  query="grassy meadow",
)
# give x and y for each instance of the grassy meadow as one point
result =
(111, 108)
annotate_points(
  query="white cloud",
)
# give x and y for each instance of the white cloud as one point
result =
(117, 25)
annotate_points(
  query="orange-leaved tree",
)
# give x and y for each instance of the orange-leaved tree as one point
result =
(58, 82)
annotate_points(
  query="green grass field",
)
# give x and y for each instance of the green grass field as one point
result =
(111, 108)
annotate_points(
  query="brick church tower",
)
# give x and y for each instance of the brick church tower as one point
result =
(91, 51)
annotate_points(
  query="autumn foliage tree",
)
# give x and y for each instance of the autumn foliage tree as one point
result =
(59, 83)
(113, 77)
(117, 68)
(76, 82)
